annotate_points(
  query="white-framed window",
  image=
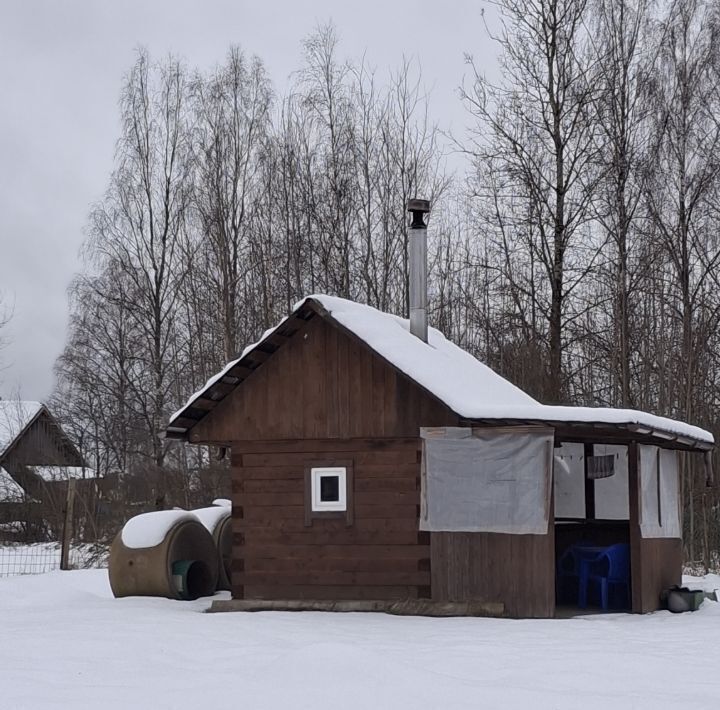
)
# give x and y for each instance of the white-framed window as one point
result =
(328, 488)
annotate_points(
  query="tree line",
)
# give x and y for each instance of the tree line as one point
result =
(575, 251)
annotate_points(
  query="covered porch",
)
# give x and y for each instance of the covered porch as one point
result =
(554, 500)
(620, 483)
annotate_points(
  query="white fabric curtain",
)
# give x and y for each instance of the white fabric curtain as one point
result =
(486, 480)
(569, 480)
(612, 494)
(659, 493)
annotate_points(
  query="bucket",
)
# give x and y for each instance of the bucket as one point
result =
(681, 599)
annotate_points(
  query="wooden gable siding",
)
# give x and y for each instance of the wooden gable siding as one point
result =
(322, 383)
(40, 445)
(380, 555)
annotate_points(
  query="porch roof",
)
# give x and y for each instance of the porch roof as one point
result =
(605, 425)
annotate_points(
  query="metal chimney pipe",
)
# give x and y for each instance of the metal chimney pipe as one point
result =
(418, 268)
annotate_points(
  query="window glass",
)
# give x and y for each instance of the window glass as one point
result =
(329, 488)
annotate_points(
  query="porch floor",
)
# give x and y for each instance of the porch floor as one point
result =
(570, 611)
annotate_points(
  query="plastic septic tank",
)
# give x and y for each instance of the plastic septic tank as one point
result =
(224, 541)
(217, 520)
(168, 553)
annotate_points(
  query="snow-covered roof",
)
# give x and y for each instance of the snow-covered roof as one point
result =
(642, 422)
(61, 473)
(15, 416)
(467, 386)
(462, 379)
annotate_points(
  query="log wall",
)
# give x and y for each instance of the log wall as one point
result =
(380, 555)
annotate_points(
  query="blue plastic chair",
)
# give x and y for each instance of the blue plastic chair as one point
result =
(609, 568)
(568, 575)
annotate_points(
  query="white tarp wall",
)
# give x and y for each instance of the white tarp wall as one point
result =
(612, 494)
(486, 480)
(659, 492)
(569, 477)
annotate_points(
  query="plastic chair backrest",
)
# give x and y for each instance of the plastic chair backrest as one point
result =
(618, 557)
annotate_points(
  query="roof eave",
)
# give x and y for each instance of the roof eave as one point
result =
(210, 396)
(628, 431)
(181, 426)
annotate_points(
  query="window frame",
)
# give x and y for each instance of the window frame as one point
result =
(312, 474)
(317, 473)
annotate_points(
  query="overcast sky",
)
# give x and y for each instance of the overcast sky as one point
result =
(61, 68)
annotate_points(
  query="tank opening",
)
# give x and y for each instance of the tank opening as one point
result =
(192, 579)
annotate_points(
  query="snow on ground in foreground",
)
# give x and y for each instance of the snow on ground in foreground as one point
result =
(68, 644)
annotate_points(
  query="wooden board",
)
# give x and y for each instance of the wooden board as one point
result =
(661, 560)
(313, 591)
(404, 607)
(516, 571)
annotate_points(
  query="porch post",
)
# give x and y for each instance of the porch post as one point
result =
(636, 576)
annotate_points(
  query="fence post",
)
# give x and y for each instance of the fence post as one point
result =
(67, 527)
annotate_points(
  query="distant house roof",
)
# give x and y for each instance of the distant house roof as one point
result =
(460, 381)
(50, 474)
(18, 418)
(15, 417)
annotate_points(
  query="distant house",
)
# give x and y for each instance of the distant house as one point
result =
(37, 458)
(368, 464)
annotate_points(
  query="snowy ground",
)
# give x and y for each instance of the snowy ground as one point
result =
(66, 643)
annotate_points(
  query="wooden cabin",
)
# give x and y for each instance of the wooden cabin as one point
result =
(36, 460)
(370, 465)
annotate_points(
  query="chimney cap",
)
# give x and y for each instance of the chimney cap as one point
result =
(416, 205)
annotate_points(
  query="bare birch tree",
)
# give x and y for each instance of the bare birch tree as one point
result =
(682, 195)
(625, 60)
(139, 224)
(233, 113)
(537, 124)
